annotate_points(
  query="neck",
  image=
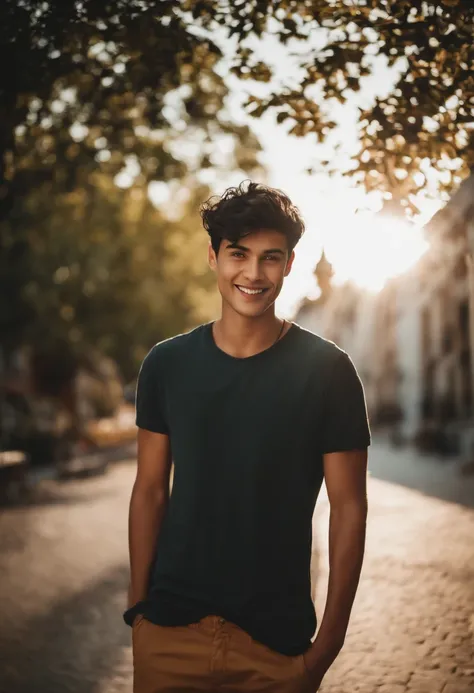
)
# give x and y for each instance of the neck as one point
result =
(242, 337)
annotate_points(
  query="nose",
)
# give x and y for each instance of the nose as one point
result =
(253, 270)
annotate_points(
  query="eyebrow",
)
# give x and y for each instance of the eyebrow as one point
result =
(265, 252)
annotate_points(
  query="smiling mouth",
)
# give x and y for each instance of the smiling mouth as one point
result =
(250, 292)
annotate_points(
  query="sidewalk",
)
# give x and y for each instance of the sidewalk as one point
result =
(432, 475)
(412, 625)
(94, 463)
(115, 438)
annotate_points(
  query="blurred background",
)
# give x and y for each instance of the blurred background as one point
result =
(117, 120)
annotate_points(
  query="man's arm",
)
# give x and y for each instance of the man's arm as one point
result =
(346, 482)
(147, 507)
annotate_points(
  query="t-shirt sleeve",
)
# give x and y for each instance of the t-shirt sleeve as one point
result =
(346, 425)
(150, 412)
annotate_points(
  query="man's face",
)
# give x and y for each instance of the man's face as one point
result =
(250, 272)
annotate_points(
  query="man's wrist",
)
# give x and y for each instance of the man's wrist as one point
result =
(331, 635)
(135, 595)
(325, 649)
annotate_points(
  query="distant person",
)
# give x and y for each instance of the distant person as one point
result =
(253, 411)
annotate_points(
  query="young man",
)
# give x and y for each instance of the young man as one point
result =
(254, 412)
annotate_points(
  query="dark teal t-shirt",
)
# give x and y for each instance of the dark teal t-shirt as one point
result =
(247, 438)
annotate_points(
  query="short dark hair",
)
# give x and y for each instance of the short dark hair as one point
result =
(249, 207)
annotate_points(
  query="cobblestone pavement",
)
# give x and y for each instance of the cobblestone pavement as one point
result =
(412, 626)
(63, 568)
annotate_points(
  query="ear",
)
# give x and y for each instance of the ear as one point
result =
(289, 264)
(211, 257)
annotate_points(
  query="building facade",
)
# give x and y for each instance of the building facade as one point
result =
(442, 289)
(413, 342)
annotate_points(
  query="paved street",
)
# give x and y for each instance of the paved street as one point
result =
(412, 628)
(63, 568)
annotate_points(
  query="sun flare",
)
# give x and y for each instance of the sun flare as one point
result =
(370, 249)
(364, 248)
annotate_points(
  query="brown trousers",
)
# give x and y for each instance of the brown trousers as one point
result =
(214, 656)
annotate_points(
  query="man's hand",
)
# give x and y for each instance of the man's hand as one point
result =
(317, 661)
(137, 619)
(315, 672)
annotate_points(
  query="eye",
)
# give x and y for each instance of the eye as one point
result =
(237, 253)
(270, 257)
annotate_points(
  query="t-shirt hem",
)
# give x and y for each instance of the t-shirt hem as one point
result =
(152, 428)
(148, 610)
(362, 445)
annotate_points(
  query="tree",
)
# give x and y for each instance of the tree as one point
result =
(93, 76)
(103, 101)
(423, 121)
(101, 268)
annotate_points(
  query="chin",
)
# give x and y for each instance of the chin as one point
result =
(248, 309)
(251, 311)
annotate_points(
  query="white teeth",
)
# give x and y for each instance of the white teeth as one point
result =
(250, 291)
